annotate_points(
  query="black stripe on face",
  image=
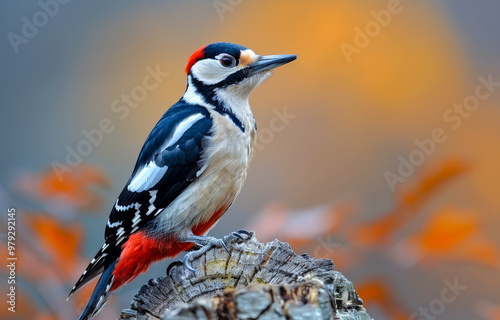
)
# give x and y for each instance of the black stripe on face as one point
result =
(209, 95)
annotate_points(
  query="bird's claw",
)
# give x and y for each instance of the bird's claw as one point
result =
(185, 261)
(206, 244)
(239, 234)
(171, 266)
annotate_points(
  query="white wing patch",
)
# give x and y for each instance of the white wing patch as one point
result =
(181, 128)
(147, 177)
(151, 174)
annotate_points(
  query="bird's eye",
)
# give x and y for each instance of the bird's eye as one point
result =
(227, 61)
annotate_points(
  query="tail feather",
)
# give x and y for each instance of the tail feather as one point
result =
(95, 268)
(100, 294)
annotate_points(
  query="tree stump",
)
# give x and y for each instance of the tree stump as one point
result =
(252, 281)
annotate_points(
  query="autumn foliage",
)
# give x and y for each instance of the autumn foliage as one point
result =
(52, 257)
(406, 238)
(49, 241)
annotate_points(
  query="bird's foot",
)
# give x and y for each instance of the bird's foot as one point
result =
(206, 243)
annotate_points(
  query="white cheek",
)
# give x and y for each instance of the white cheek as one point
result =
(210, 71)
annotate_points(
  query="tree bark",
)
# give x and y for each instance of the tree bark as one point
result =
(252, 280)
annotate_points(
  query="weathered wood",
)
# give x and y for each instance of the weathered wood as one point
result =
(252, 281)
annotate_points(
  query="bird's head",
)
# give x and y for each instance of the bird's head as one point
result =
(224, 70)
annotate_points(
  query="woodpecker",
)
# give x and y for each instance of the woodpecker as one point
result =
(189, 171)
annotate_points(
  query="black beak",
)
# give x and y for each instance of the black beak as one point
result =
(266, 63)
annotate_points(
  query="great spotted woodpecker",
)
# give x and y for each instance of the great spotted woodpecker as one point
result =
(189, 171)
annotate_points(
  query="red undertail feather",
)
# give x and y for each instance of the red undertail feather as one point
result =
(139, 252)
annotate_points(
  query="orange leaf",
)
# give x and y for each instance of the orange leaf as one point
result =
(379, 232)
(446, 230)
(61, 240)
(431, 180)
(69, 191)
(449, 235)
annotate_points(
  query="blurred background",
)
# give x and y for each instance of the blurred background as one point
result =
(378, 147)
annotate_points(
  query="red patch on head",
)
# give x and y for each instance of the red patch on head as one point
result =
(197, 55)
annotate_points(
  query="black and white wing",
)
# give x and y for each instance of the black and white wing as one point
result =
(170, 160)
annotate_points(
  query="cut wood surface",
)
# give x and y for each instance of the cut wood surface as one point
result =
(250, 280)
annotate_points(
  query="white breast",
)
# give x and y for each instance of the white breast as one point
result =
(228, 157)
